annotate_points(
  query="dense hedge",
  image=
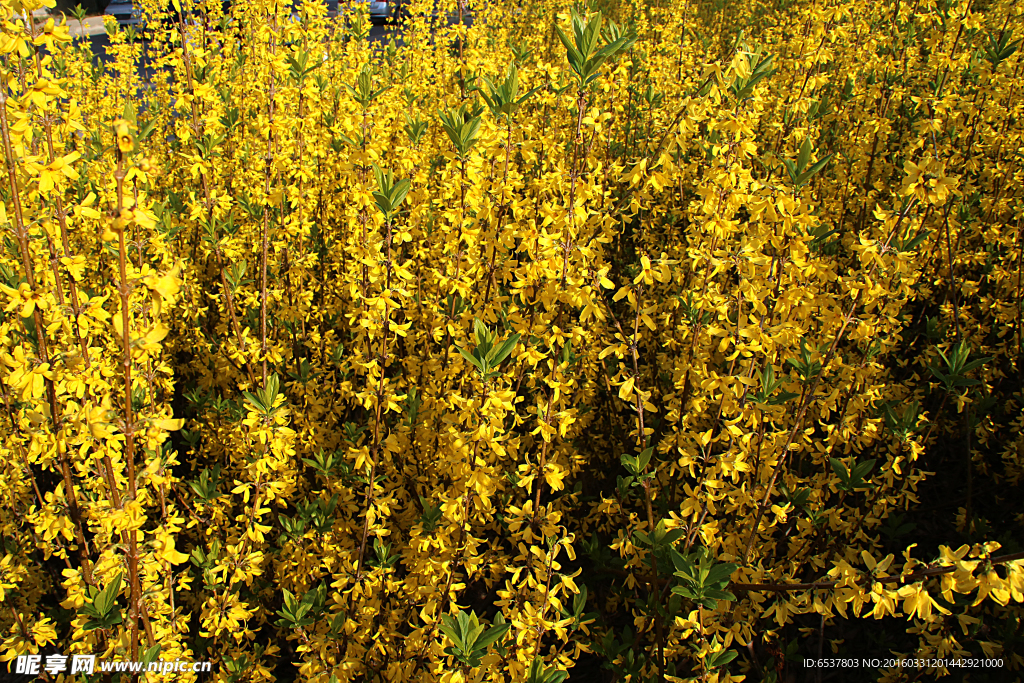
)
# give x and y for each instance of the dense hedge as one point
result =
(666, 342)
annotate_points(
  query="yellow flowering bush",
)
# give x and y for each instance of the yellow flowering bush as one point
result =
(678, 340)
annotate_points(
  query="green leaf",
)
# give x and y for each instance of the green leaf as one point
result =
(517, 103)
(809, 173)
(579, 602)
(451, 628)
(383, 179)
(716, 594)
(672, 536)
(502, 352)
(916, 242)
(720, 573)
(645, 457)
(470, 637)
(539, 674)
(722, 658)
(472, 359)
(570, 49)
(495, 633)
(399, 192)
(481, 333)
(1000, 49)
(860, 471)
(470, 130)
(790, 169)
(840, 469)
(977, 363)
(382, 203)
(805, 154)
(108, 596)
(678, 559)
(684, 591)
(150, 656)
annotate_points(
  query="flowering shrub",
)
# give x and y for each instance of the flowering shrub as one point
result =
(579, 336)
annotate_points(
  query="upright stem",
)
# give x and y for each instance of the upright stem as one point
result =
(501, 217)
(951, 285)
(1019, 299)
(129, 418)
(197, 129)
(581, 107)
(266, 228)
(21, 233)
(377, 436)
(458, 253)
(374, 453)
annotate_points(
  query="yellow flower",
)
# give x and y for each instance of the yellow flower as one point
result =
(28, 376)
(553, 475)
(125, 141)
(75, 266)
(44, 632)
(25, 298)
(85, 208)
(917, 602)
(150, 343)
(97, 418)
(164, 288)
(928, 180)
(163, 545)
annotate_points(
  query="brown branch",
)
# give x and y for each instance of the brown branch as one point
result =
(808, 395)
(914, 576)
